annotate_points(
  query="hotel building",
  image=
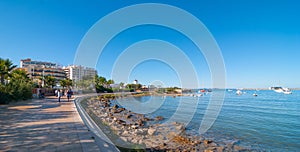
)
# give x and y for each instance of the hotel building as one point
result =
(38, 69)
(76, 73)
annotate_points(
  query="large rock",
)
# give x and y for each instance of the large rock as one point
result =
(238, 148)
(114, 127)
(159, 118)
(115, 106)
(124, 139)
(220, 149)
(140, 123)
(141, 132)
(207, 142)
(128, 116)
(134, 127)
(180, 127)
(125, 133)
(151, 131)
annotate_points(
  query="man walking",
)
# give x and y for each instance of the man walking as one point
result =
(58, 95)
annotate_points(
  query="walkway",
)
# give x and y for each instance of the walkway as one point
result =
(45, 125)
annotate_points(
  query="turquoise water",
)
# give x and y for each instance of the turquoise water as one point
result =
(268, 122)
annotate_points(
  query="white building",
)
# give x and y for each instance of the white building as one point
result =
(135, 82)
(38, 69)
(76, 73)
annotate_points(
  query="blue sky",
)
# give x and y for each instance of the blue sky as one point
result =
(259, 40)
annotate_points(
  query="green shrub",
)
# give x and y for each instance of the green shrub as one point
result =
(5, 98)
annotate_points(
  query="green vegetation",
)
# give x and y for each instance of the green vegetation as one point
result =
(15, 84)
(103, 85)
(133, 87)
(66, 83)
(6, 66)
(170, 90)
(86, 84)
(50, 81)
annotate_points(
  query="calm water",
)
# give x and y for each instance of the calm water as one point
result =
(268, 122)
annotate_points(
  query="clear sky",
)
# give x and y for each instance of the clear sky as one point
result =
(259, 39)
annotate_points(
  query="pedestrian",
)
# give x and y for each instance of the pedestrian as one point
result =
(58, 95)
(56, 92)
(69, 93)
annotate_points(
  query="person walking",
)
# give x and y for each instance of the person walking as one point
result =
(69, 93)
(58, 95)
(56, 92)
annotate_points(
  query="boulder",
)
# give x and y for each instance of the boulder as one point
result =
(115, 106)
(238, 148)
(124, 139)
(151, 131)
(220, 149)
(125, 133)
(141, 132)
(128, 116)
(146, 119)
(180, 127)
(159, 118)
(140, 123)
(134, 127)
(207, 142)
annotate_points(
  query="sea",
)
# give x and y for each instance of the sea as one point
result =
(269, 121)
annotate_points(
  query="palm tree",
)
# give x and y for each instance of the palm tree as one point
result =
(20, 75)
(50, 81)
(6, 66)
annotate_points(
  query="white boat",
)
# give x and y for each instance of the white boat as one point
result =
(287, 91)
(239, 92)
(281, 90)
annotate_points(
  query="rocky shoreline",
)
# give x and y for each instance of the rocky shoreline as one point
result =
(134, 131)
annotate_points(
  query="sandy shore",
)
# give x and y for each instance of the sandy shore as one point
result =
(135, 131)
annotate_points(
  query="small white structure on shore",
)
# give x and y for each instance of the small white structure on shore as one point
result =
(135, 81)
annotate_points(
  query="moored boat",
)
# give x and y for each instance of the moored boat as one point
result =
(281, 90)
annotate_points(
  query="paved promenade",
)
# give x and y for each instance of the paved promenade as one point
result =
(45, 125)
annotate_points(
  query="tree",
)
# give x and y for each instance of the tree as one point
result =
(6, 66)
(69, 82)
(129, 86)
(138, 86)
(109, 82)
(63, 83)
(96, 80)
(102, 81)
(122, 84)
(19, 85)
(19, 75)
(49, 81)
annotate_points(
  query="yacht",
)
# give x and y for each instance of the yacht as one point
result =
(287, 91)
(281, 90)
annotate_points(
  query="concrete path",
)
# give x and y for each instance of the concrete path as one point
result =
(45, 125)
